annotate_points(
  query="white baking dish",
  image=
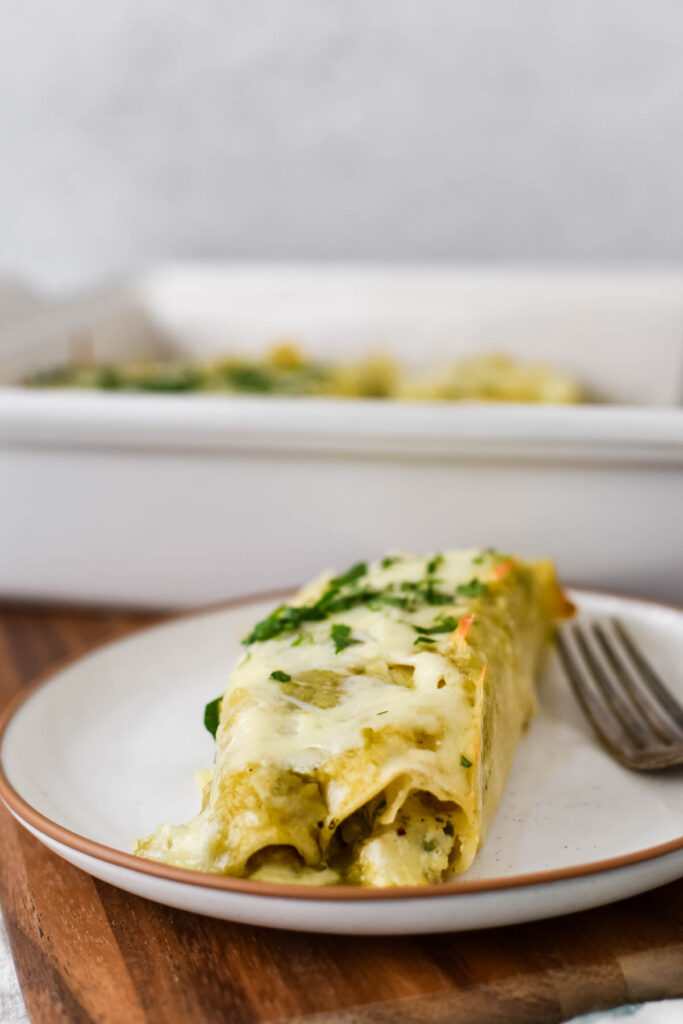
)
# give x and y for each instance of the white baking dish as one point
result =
(169, 500)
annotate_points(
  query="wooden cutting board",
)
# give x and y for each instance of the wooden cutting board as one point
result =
(85, 951)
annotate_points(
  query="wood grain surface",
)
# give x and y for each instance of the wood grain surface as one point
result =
(85, 951)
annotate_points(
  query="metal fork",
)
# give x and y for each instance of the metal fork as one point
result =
(628, 705)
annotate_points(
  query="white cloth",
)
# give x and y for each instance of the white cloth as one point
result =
(670, 1011)
(12, 1009)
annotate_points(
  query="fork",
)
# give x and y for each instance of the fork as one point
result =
(628, 705)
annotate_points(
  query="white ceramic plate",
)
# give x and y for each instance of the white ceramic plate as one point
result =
(106, 749)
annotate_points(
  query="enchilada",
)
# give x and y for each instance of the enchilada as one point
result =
(366, 733)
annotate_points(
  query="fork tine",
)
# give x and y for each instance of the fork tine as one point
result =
(593, 708)
(660, 725)
(649, 677)
(617, 703)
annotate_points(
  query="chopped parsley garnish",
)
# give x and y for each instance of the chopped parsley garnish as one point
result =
(426, 590)
(485, 551)
(284, 618)
(288, 617)
(465, 761)
(354, 573)
(446, 625)
(435, 564)
(349, 590)
(299, 640)
(212, 714)
(331, 603)
(383, 712)
(448, 829)
(475, 588)
(433, 596)
(395, 600)
(280, 677)
(429, 845)
(387, 562)
(424, 640)
(341, 637)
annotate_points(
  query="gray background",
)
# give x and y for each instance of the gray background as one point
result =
(136, 130)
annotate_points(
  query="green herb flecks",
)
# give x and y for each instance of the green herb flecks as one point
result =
(433, 596)
(284, 618)
(212, 715)
(339, 602)
(394, 600)
(341, 637)
(465, 761)
(353, 574)
(425, 590)
(434, 565)
(388, 561)
(424, 640)
(280, 677)
(382, 712)
(446, 625)
(429, 845)
(341, 594)
(481, 556)
(349, 590)
(475, 588)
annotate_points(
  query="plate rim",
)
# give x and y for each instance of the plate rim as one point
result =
(25, 813)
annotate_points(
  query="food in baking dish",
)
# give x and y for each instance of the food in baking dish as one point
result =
(286, 372)
(366, 733)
